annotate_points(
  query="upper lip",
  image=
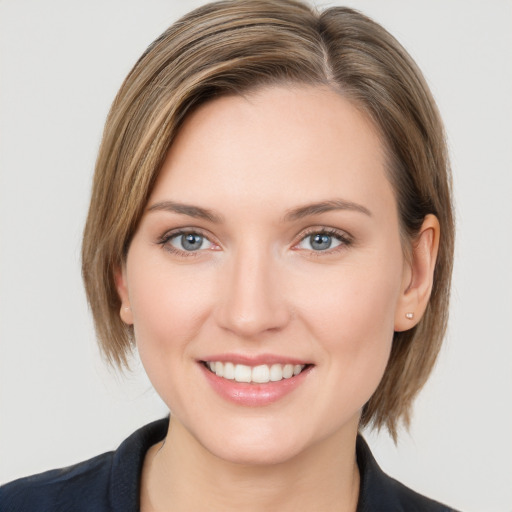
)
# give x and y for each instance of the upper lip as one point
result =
(255, 359)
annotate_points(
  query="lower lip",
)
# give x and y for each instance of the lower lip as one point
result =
(253, 395)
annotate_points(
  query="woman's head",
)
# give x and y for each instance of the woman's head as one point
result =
(240, 49)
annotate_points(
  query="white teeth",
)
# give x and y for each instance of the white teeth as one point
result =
(288, 371)
(229, 371)
(260, 374)
(276, 372)
(242, 373)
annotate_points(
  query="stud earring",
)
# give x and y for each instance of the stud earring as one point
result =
(126, 308)
(409, 316)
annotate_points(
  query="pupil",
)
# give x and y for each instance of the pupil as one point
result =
(191, 242)
(321, 242)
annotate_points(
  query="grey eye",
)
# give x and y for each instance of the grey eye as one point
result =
(190, 242)
(319, 242)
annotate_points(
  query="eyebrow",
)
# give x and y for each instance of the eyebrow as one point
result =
(291, 215)
(186, 209)
(324, 206)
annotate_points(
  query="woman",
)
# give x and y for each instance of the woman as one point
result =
(271, 225)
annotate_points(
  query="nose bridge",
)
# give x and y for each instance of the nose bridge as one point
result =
(252, 301)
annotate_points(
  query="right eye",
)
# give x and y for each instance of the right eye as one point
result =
(189, 242)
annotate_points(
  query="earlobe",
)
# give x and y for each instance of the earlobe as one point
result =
(419, 276)
(122, 290)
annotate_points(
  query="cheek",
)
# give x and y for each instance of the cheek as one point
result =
(353, 320)
(168, 305)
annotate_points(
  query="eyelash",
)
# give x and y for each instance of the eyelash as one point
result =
(344, 239)
(166, 237)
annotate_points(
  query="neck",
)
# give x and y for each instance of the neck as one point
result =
(179, 474)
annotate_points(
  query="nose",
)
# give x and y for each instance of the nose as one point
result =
(253, 300)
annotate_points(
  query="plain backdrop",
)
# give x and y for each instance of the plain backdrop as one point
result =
(62, 62)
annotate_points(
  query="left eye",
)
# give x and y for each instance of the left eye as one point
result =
(189, 242)
(320, 242)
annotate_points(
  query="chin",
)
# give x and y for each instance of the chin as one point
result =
(257, 454)
(252, 442)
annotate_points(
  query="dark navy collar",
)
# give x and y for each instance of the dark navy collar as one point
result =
(124, 491)
(379, 492)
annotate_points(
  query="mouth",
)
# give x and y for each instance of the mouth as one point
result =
(260, 374)
(255, 380)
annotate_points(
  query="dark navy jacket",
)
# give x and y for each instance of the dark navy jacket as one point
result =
(110, 482)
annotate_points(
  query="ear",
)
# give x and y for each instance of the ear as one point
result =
(418, 276)
(122, 290)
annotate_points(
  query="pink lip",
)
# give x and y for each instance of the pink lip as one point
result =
(253, 395)
(255, 360)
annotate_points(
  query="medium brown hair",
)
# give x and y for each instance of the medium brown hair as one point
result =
(235, 46)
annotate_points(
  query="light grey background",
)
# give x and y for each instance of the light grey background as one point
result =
(62, 62)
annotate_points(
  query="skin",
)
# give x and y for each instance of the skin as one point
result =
(257, 286)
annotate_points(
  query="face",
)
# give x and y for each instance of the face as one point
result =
(267, 272)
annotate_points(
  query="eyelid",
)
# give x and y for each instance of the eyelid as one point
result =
(164, 239)
(345, 238)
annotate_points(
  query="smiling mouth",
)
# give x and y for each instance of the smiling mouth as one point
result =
(260, 374)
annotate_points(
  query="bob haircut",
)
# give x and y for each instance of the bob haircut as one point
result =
(233, 47)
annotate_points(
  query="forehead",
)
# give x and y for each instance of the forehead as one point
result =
(275, 146)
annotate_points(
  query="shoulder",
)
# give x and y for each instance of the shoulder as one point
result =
(381, 493)
(411, 501)
(107, 482)
(79, 487)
